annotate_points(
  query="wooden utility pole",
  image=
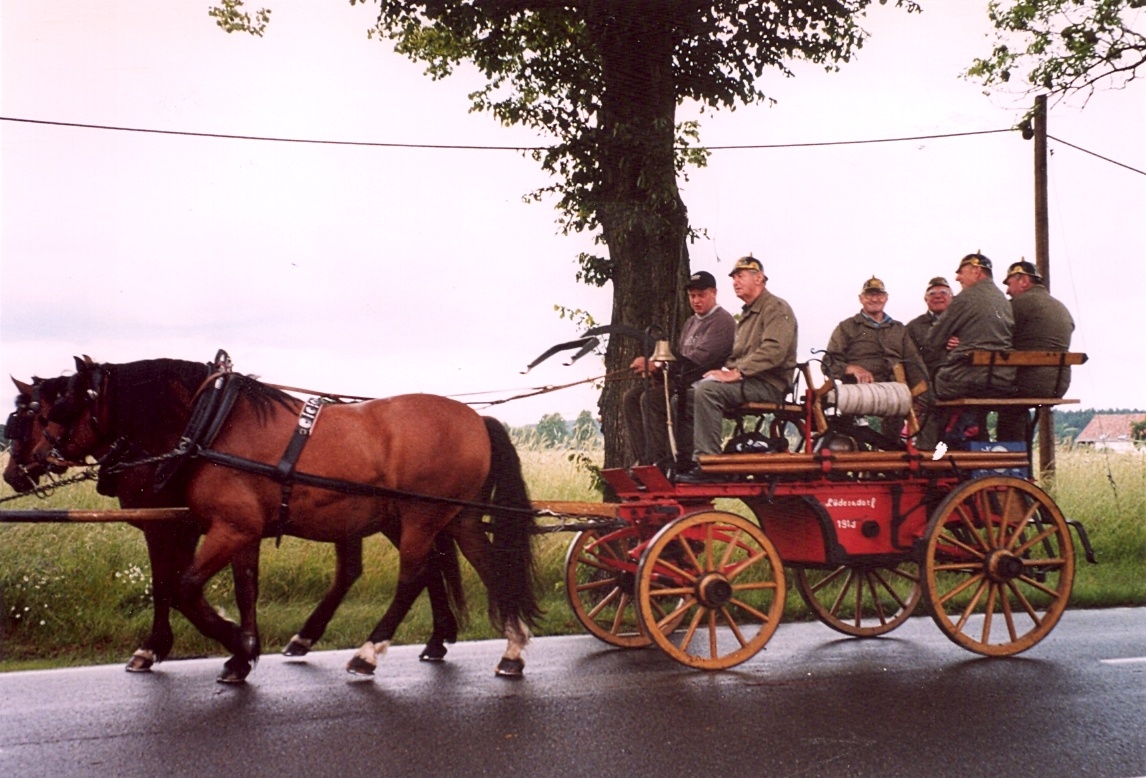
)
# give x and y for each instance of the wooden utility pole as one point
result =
(1042, 262)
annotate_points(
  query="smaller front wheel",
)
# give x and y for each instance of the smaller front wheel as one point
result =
(710, 590)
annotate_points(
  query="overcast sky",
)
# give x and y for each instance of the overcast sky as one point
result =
(375, 271)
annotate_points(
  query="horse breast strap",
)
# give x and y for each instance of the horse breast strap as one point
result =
(307, 419)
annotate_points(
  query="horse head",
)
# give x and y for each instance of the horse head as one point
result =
(25, 430)
(76, 422)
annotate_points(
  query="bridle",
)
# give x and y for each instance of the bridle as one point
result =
(65, 414)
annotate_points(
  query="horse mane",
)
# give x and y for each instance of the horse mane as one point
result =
(154, 398)
(151, 398)
(262, 396)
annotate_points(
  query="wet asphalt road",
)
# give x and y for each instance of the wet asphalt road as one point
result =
(909, 704)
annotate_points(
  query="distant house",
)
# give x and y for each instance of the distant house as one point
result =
(1110, 430)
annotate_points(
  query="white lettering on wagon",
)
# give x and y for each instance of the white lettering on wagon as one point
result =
(859, 502)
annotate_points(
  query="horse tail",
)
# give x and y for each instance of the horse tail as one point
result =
(514, 592)
(445, 564)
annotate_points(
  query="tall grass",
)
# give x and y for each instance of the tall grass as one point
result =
(80, 593)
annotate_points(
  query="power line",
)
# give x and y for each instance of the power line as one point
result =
(223, 136)
(460, 147)
(856, 142)
(271, 139)
(1104, 159)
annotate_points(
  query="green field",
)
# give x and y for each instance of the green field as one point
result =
(77, 594)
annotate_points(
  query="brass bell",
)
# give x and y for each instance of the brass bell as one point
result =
(662, 352)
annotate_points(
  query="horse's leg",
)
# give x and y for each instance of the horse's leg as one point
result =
(412, 553)
(170, 549)
(475, 546)
(215, 552)
(245, 568)
(347, 570)
(442, 574)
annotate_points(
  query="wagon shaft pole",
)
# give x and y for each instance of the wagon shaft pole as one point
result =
(77, 516)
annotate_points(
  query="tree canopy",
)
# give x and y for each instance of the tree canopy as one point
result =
(1065, 46)
(604, 79)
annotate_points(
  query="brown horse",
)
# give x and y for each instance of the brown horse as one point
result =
(427, 463)
(171, 544)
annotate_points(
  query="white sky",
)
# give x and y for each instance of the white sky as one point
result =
(376, 271)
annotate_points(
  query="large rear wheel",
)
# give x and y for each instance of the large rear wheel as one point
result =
(710, 590)
(999, 565)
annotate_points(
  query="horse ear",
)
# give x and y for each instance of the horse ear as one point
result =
(23, 387)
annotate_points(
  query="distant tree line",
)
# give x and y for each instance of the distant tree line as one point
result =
(553, 431)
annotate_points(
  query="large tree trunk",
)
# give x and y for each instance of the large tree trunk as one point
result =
(643, 219)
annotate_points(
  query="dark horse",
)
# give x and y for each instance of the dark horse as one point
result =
(171, 544)
(420, 462)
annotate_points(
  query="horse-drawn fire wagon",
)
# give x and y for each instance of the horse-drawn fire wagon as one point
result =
(864, 534)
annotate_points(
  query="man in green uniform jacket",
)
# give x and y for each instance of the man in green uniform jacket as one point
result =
(937, 298)
(1042, 323)
(866, 348)
(978, 319)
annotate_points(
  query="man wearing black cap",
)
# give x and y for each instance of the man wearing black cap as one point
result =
(704, 344)
(866, 348)
(1042, 323)
(760, 367)
(978, 318)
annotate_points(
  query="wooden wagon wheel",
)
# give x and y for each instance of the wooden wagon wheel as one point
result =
(862, 600)
(600, 582)
(999, 565)
(710, 590)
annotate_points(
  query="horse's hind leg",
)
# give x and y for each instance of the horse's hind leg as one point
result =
(348, 569)
(411, 580)
(476, 547)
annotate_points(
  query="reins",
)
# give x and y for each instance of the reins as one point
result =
(533, 392)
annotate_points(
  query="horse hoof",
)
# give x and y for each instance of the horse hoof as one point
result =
(296, 647)
(140, 662)
(359, 666)
(231, 677)
(510, 668)
(433, 653)
(235, 670)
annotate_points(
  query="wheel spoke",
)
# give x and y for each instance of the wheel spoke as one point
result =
(734, 627)
(989, 612)
(606, 601)
(970, 609)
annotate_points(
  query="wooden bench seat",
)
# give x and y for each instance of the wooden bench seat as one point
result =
(1027, 358)
(1017, 359)
(1003, 402)
(755, 409)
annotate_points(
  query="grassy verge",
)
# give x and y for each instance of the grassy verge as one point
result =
(80, 594)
